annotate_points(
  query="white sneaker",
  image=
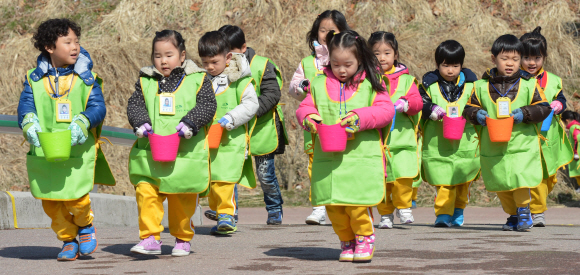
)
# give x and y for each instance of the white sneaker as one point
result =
(318, 216)
(406, 215)
(386, 221)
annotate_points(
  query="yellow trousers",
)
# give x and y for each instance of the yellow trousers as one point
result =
(511, 200)
(310, 160)
(399, 195)
(450, 197)
(150, 205)
(348, 221)
(415, 191)
(540, 195)
(221, 198)
(68, 216)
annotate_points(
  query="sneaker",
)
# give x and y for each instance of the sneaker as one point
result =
(347, 254)
(181, 248)
(148, 246)
(88, 240)
(511, 224)
(413, 204)
(524, 219)
(386, 221)
(318, 216)
(226, 223)
(69, 252)
(539, 220)
(274, 218)
(457, 219)
(212, 215)
(443, 220)
(406, 215)
(365, 248)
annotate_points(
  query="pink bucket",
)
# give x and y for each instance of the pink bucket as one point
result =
(332, 137)
(453, 127)
(164, 148)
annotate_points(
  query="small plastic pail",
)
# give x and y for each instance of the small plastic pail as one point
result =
(214, 136)
(453, 127)
(332, 137)
(56, 146)
(500, 130)
(547, 122)
(164, 148)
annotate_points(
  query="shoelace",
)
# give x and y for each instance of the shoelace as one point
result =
(86, 238)
(68, 247)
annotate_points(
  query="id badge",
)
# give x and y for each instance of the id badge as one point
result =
(349, 136)
(504, 107)
(166, 104)
(63, 110)
(453, 110)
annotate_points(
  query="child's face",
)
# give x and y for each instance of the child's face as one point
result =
(326, 25)
(166, 57)
(532, 64)
(343, 63)
(65, 51)
(385, 54)
(507, 63)
(216, 64)
(449, 72)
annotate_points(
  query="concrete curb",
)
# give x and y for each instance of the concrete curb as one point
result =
(110, 211)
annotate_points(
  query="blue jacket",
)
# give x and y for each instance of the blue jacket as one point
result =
(95, 109)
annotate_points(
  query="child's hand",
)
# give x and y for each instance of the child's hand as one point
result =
(352, 121)
(437, 113)
(402, 105)
(184, 130)
(303, 87)
(227, 122)
(518, 115)
(556, 106)
(79, 130)
(143, 131)
(480, 116)
(31, 128)
(310, 122)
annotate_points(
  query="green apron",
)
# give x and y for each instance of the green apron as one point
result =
(264, 138)
(75, 177)
(506, 166)
(310, 72)
(228, 162)
(449, 162)
(418, 180)
(557, 150)
(573, 166)
(190, 172)
(401, 142)
(337, 177)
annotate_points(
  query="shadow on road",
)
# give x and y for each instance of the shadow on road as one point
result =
(306, 253)
(125, 249)
(30, 252)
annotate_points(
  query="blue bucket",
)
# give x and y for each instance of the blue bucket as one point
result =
(547, 122)
(393, 123)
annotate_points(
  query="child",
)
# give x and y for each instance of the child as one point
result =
(194, 105)
(311, 66)
(571, 119)
(238, 104)
(63, 77)
(450, 165)
(353, 80)
(402, 161)
(557, 150)
(510, 168)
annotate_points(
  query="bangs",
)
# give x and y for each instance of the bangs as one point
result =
(212, 44)
(507, 43)
(534, 48)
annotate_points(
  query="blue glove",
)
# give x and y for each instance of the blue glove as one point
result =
(31, 128)
(518, 115)
(227, 122)
(480, 116)
(79, 130)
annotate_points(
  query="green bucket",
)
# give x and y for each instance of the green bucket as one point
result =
(56, 146)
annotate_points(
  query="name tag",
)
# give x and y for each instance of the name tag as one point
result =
(166, 104)
(63, 110)
(453, 110)
(504, 107)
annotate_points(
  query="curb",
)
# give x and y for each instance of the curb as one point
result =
(20, 210)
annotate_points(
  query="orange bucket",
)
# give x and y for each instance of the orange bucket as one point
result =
(500, 130)
(214, 136)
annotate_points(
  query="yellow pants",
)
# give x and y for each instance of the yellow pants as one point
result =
(511, 200)
(348, 221)
(221, 198)
(68, 216)
(150, 205)
(415, 191)
(310, 160)
(450, 197)
(399, 195)
(540, 195)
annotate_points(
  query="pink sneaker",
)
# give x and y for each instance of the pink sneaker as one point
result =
(347, 253)
(365, 248)
(148, 246)
(181, 248)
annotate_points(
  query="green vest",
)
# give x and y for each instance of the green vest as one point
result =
(310, 72)
(557, 150)
(402, 159)
(73, 178)
(264, 138)
(190, 172)
(337, 177)
(573, 167)
(418, 180)
(507, 166)
(449, 162)
(228, 162)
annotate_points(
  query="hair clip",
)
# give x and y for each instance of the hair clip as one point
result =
(356, 37)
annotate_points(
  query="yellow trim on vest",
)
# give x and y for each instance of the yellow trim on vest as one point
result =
(351, 97)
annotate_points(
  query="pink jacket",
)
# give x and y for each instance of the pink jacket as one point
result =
(322, 60)
(413, 97)
(574, 134)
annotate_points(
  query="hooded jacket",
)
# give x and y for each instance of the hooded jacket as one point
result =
(321, 55)
(453, 89)
(413, 97)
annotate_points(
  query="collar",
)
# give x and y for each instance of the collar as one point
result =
(82, 67)
(392, 70)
